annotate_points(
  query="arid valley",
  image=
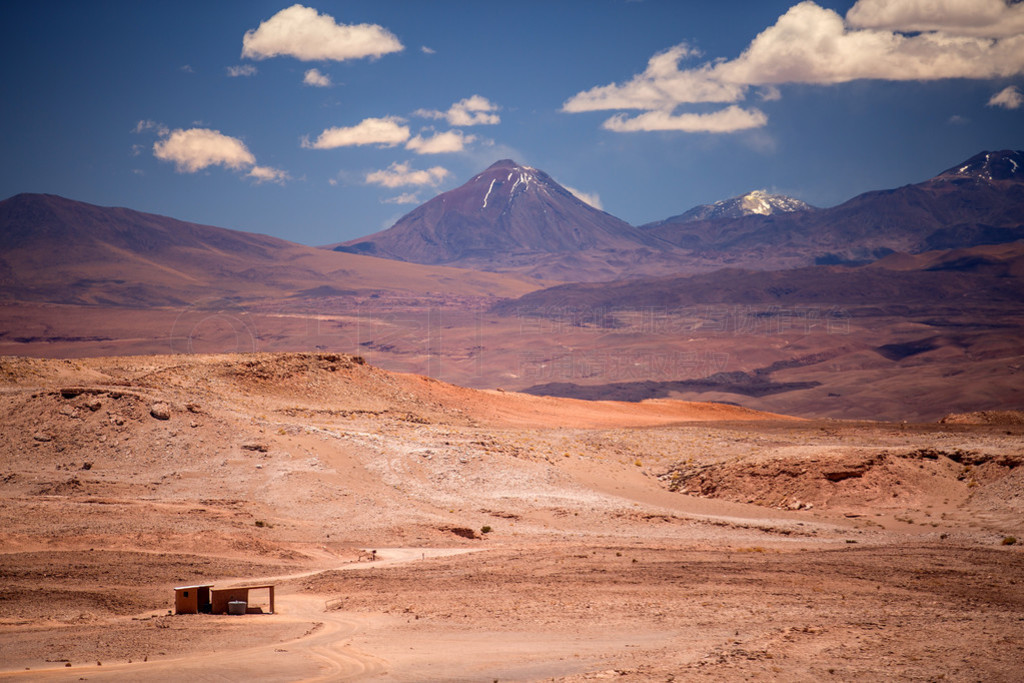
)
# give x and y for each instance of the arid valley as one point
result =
(805, 471)
(517, 537)
(566, 341)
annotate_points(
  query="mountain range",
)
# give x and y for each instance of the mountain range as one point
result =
(515, 218)
(932, 324)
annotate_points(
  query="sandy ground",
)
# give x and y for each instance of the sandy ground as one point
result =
(518, 538)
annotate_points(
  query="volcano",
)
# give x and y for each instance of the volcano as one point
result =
(513, 216)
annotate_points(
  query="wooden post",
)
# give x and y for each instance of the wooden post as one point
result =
(272, 600)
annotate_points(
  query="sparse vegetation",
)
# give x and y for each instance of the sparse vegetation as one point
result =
(1009, 540)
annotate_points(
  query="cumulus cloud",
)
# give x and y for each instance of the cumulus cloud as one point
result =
(809, 44)
(472, 111)
(197, 148)
(402, 174)
(242, 70)
(266, 174)
(315, 78)
(441, 143)
(194, 149)
(427, 50)
(879, 39)
(983, 18)
(660, 85)
(305, 34)
(386, 132)
(728, 120)
(591, 198)
(1007, 98)
(404, 198)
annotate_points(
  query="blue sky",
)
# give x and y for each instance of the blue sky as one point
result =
(328, 121)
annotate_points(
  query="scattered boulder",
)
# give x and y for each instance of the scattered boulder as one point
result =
(40, 436)
(160, 410)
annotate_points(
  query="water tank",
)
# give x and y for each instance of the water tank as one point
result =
(237, 607)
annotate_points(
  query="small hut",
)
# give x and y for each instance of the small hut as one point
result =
(192, 599)
(206, 599)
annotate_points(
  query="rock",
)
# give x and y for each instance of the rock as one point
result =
(258, 447)
(94, 405)
(160, 410)
(39, 436)
(117, 420)
(795, 505)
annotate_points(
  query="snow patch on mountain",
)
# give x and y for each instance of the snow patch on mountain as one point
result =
(758, 202)
(990, 167)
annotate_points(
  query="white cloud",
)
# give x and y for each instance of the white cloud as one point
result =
(194, 149)
(1007, 98)
(809, 44)
(315, 78)
(660, 85)
(591, 198)
(404, 198)
(242, 70)
(402, 174)
(197, 148)
(387, 132)
(266, 174)
(728, 120)
(146, 124)
(441, 143)
(881, 40)
(303, 33)
(982, 18)
(428, 50)
(473, 111)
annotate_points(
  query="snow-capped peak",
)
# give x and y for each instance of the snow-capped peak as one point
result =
(990, 166)
(758, 202)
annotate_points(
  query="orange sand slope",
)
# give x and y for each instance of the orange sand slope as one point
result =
(341, 382)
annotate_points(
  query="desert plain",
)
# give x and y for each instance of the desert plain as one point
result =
(517, 537)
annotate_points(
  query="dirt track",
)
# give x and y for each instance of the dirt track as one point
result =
(801, 550)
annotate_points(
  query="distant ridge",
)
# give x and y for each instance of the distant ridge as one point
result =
(980, 201)
(58, 250)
